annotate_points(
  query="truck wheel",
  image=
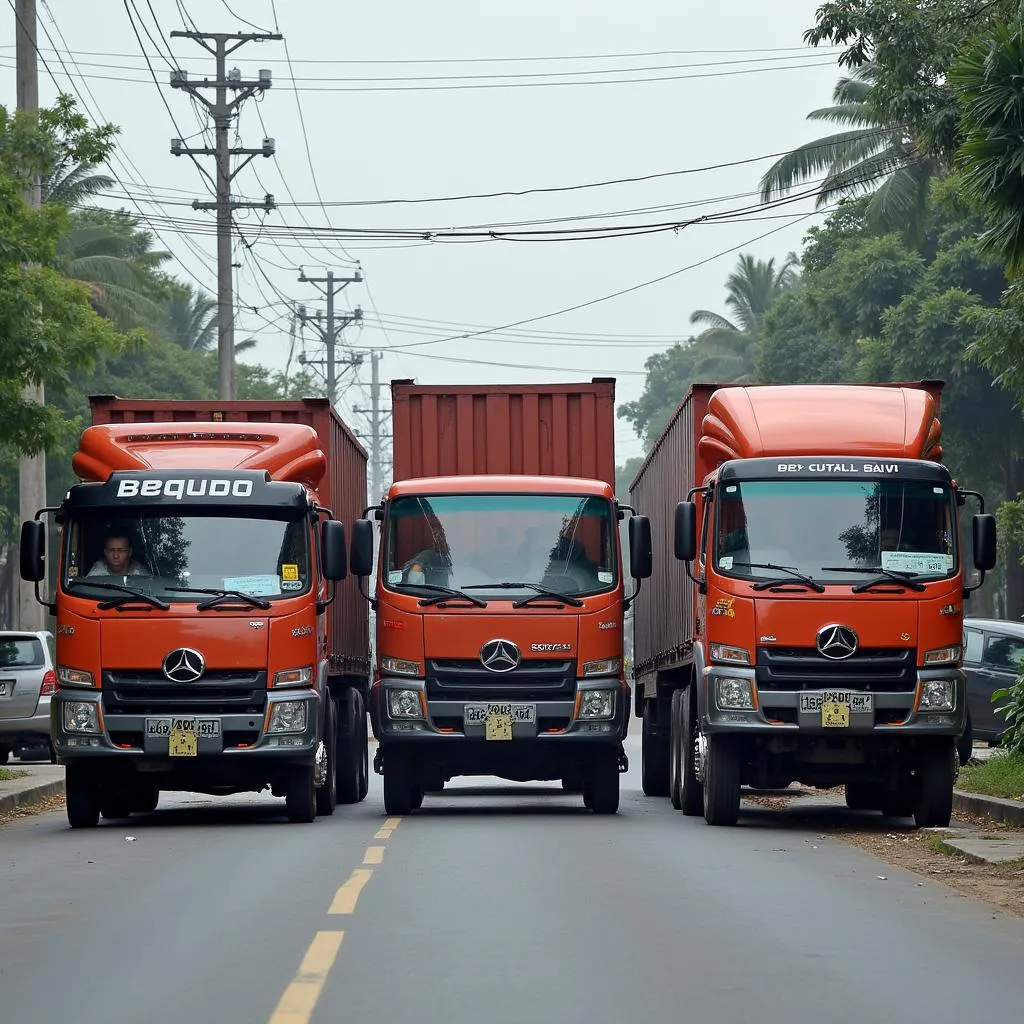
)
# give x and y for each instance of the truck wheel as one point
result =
(300, 796)
(572, 784)
(691, 792)
(864, 796)
(417, 797)
(653, 757)
(399, 791)
(601, 786)
(82, 797)
(116, 807)
(5, 753)
(146, 800)
(722, 782)
(936, 770)
(352, 754)
(327, 794)
(364, 746)
(675, 749)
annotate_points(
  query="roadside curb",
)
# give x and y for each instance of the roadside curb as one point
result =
(31, 795)
(1010, 812)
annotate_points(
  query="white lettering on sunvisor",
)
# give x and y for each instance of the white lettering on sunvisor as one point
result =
(180, 488)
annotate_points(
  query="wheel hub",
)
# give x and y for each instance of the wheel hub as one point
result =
(320, 770)
(700, 755)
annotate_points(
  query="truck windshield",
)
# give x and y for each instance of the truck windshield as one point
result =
(835, 530)
(153, 552)
(567, 543)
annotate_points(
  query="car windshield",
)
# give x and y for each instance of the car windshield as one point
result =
(566, 543)
(20, 652)
(835, 530)
(153, 552)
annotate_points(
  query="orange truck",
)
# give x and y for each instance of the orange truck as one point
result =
(207, 638)
(499, 595)
(809, 628)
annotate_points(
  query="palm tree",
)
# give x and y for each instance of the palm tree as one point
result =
(71, 184)
(191, 321)
(726, 348)
(872, 157)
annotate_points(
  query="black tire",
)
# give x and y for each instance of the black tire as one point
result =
(653, 756)
(417, 797)
(116, 808)
(936, 773)
(82, 798)
(864, 796)
(146, 800)
(352, 756)
(327, 794)
(601, 787)
(364, 762)
(399, 791)
(300, 795)
(5, 753)
(675, 749)
(722, 781)
(691, 791)
(572, 784)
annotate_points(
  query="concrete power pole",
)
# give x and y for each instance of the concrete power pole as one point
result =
(335, 324)
(377, 435)
(222, 111)
(26, 611)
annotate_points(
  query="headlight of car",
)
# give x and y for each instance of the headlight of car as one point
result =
(937, 695)
(404, 704)
(596, 704)
(288, 716)
(81, 716)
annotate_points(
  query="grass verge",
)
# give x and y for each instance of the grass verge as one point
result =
(1001, 775)
(9, 774)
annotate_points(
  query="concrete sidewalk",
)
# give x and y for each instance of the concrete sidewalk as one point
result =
(39, 782)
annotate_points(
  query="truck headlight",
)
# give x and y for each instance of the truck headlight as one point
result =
(400, 667)
(294, 676)
(734, 695)
(733, 655)
(404, 704)
(73, 676)
(288, 716)
(603, 667)
(942, 656)
(937, 695)
(595, 704)
(81, 716)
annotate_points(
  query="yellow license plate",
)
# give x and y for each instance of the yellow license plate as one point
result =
(498, 727)
(835, 715)
(183, 743)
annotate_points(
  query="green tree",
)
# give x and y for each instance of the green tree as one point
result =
(669, 374)
(624, 475)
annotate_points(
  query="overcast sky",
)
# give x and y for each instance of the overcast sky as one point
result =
(387, 118)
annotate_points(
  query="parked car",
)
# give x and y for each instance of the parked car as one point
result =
(993, 658)
(27, 680)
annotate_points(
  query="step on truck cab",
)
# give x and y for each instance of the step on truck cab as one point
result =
(806, 616)
(499, 591)
(207, 638)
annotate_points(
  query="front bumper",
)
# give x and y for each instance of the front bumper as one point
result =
(554, 721)
(778, 712)
(238, 737)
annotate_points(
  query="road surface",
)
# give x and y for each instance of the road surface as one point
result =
(494, 904)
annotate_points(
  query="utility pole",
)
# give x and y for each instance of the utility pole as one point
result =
(377, 435)
(223, 111)
(26, 611)
(335, 324)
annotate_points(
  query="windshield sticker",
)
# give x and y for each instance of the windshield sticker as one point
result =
(289, 572)
(922, 562)
(395, 577)
(257, 586)
(72, 571)
(725, 562)
(605, 577)
(292, 584)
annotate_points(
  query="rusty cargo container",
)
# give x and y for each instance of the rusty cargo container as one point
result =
(344, 489)
(517, 429)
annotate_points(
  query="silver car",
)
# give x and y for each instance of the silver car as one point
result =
(27, 679)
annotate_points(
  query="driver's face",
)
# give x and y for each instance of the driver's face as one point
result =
(118, 553)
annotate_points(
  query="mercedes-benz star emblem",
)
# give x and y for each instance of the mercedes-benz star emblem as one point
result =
(184, 665)
(499, 655)
(836, 642)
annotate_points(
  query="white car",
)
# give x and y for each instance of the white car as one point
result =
(27, 679)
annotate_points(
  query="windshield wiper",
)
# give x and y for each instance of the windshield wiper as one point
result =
(906, 579)
(443, 594)
(541, 592)
(766, 584)
(219, 595)
(114, 602)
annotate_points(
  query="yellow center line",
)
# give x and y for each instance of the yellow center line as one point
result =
(384, 833)
(300, 997)
(391, 823)
(374, 855)
(345, 898)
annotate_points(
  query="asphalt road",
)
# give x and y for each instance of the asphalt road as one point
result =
(494, 903)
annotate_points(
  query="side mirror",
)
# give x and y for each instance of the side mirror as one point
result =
(641, 554)
(362, 547)
(332, 549)
(984, 531)
(33, 551)
(686, 531)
